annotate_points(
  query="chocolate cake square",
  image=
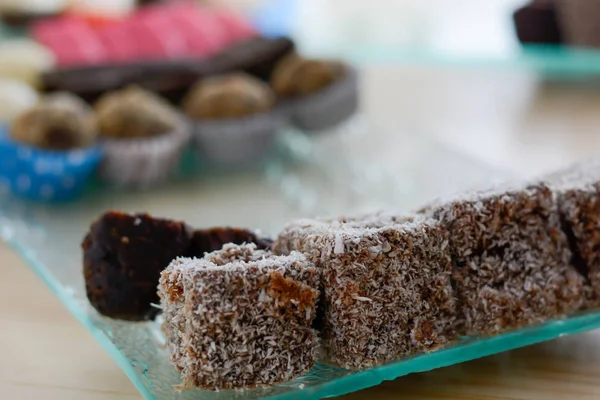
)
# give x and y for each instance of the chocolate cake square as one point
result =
(123, 256)
(577, 191)
(240, 317)
(511, 261)
(386, 285)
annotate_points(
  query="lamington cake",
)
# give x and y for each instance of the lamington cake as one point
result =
(240, 317)
(510, 259)
(386, 285)
(577, 191)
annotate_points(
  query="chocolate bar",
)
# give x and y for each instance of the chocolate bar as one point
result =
(169, 78)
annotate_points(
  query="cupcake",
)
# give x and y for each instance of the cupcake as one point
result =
(108, 8)
(24, 60)
(20, 13)
(142, 135)
(234, 118)
(15, 98)
(50, 151)
(318, 94)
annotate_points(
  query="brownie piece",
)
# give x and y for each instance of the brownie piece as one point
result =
(124, 255)
(386, 285)
(577, 190)
(537, 23)
(240, 317)
(209, 240)
(511, 261)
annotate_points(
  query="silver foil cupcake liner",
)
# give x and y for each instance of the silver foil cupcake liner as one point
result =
(327, 107)
(145, 161)
(238, 141)
(579, 20)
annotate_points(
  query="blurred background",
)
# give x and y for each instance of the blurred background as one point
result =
(506, 83)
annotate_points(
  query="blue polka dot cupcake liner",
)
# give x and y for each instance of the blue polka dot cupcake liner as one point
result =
(44, 175)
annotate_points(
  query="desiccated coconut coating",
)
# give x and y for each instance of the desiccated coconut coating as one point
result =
(387, 290)
(293, 235)
(577, 191)
(240, 317)
(511, 261)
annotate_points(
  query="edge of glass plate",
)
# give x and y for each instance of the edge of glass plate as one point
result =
(46, 276)
(471, 350)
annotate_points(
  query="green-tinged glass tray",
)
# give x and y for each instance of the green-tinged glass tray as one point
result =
(308, 175)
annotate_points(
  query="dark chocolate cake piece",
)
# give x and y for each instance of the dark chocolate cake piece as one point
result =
(209, 240)
(124, 255)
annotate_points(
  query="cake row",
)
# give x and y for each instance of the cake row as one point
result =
(367, 290)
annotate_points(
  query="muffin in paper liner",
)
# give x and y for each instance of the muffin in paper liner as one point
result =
(579, 20)
(145, 161)
(234, 142)
(327, 107)
(45, 175)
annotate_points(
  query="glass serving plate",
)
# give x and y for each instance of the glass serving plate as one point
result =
(355, 167)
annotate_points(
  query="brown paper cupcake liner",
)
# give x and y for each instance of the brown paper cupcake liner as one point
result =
(236, 142)
(328, 107)
(579, 20)
(145, 161)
